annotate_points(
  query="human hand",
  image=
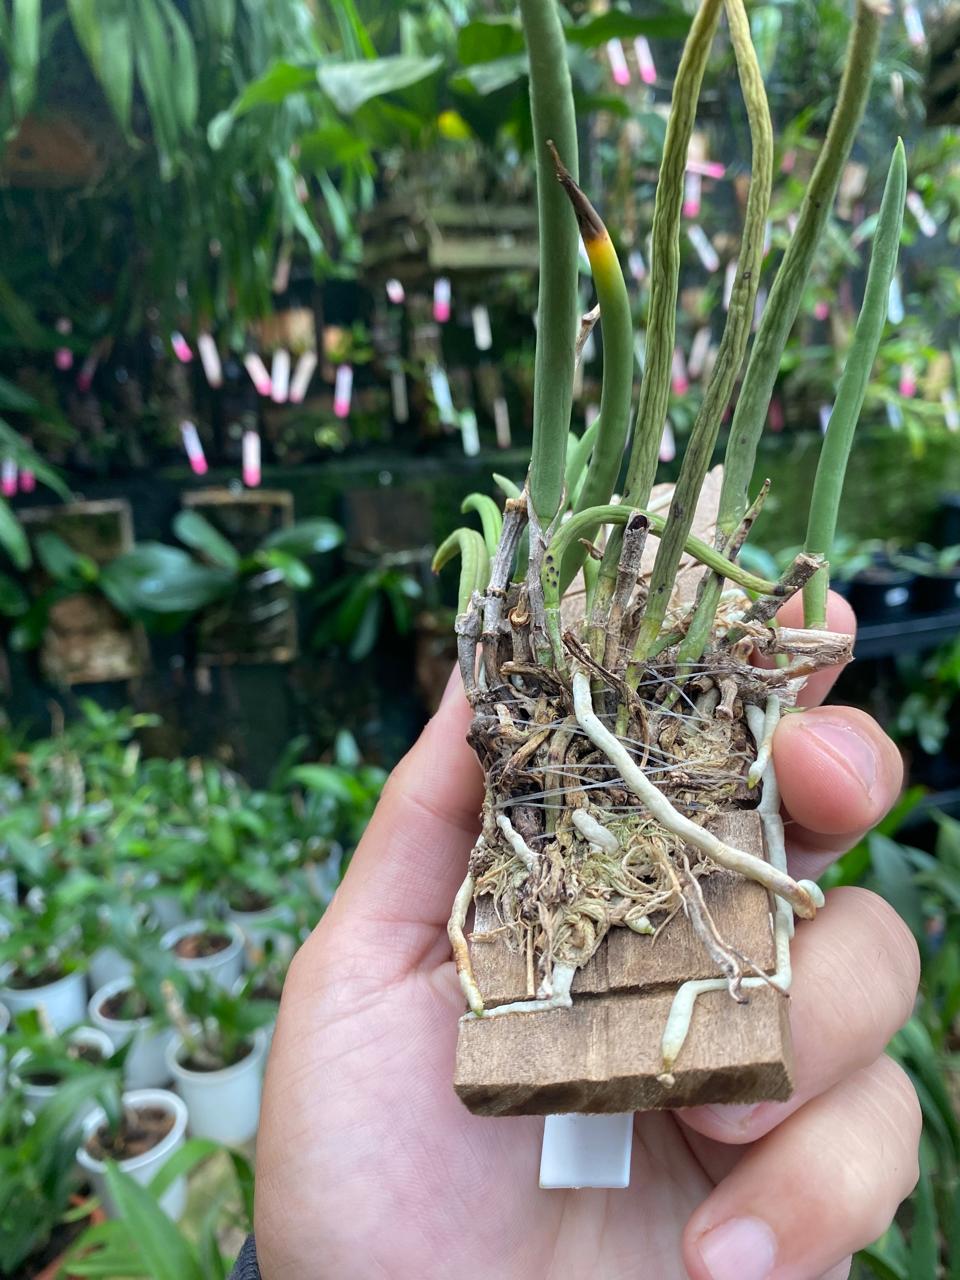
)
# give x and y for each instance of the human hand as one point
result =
(369, 1166)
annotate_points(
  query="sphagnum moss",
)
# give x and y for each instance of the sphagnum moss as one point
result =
(614, 715)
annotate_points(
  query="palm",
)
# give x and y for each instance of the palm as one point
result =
(436, 1191)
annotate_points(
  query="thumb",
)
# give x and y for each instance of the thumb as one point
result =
(407, 868)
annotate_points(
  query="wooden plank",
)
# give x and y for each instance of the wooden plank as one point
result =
(603, 1055)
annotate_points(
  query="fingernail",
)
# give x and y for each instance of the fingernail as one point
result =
(845, 745)
(741, 1249)
(734, 1116)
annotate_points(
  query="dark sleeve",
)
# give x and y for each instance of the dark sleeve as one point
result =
(246, 1267)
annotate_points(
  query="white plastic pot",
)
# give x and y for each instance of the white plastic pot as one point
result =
(146, 1063)
(167, 909)
(143, 1167)
(106, 965)
(37, 1096)
(259, 928)
(224, 967)
(223, 1105)
(64, 1001)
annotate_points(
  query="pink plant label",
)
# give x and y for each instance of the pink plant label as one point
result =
(825, 411)
(895, 310)
(951, 415)
(280, 376)
(501, 422)
(395, 291)
(692, 190)
(913, 23)
(398, 394)
(636, 265)
(259, 374)
(87, 371)
(925, 221)
(775, 415)
(706, 168)
(8, 477)
(28, 481)
(441, 300)
(191, 443)
(250, 450)
(482, 335)
(821, 309)
(698, 352)
(181, 347)
(908, 381)
(210, 359)
(679, 380)
(300, 385)
(645, 63)
(469, 433)
(343, 390)
(709, 258)
(668, 445)
(618, 62)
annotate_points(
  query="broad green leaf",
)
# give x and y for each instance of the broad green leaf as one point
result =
(332, 146)
(349, 85)
(198, 533)
(306, 538)
(490, 77)
(102, 28)
(181, 1162)
(894, 879)
(365, 637)
(272, 87)
(292, 569)
(615, 24)
(24, 55)
(12, 537)
(153, 578)
(485, 40)
(159, 1242)
(184, 64)
(60, 560)
(155, 69)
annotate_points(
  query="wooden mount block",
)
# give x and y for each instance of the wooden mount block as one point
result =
(603, 1055)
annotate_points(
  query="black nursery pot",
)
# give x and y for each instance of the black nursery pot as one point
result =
(882, 593)
(938, 592)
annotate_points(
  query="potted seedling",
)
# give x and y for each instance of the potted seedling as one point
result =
(40, 1215)
(207, 948)
(217, 1058)
(130, 1011)
(624, 733)
(144, 1132)
(41, 964)
(44, 1061)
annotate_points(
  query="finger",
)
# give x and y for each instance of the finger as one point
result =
(840, 618)
(412, 857)
(855, 974)
(839, 774)
(820, 1186)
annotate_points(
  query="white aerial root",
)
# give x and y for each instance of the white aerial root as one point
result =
(767, 725)
(559, 998)
(516, 842)
(461, 952)
(749, 865)
(595, 832)
(681, 1011)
